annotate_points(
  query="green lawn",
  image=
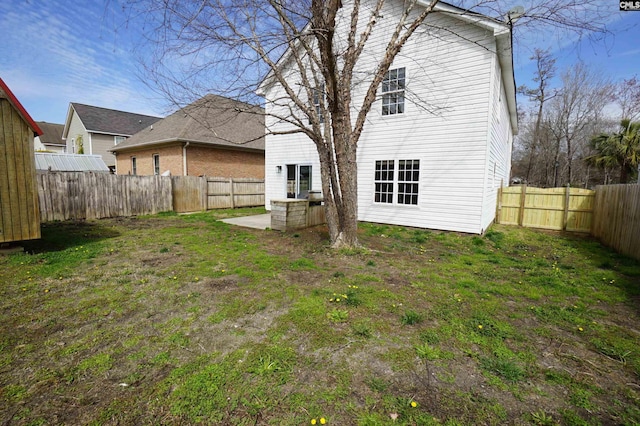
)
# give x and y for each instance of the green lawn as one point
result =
(169, 319)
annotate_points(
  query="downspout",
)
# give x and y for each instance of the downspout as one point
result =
(184, 159)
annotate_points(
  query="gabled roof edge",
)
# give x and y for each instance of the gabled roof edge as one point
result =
(23, 112)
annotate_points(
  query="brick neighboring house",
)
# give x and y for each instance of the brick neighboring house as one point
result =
(214, 136)
(97, 129)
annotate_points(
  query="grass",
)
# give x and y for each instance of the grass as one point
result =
(173, 319)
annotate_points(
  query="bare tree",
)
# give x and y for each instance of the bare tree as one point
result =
(545, 71)
(576, 112)
(228, 47)
(627, 96)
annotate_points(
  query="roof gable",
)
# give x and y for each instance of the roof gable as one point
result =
(51, 133)
(5, 92)
(110, 121)
(211, 120)
(500, 30)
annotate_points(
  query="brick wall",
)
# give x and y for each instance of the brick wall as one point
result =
(224, 163)
(170, 159)
(200, 161)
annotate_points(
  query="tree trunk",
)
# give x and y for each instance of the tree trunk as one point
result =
(347, 234)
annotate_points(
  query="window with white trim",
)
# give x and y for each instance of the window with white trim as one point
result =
(393, 92)
(384, 181)
(118, 139)
(318, 99)
(405, 184)
(408, 178)
(134, 166)
(156, 164)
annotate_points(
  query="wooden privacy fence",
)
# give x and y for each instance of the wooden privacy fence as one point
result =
(617, 218)
(568, 209)
(207, 193)
(83, 195)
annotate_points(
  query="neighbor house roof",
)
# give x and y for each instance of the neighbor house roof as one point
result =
(46, 161)
(51, 133)
(5, 92)
(108, 121)
(212, 120)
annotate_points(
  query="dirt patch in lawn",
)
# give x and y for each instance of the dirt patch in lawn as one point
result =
(179, 320)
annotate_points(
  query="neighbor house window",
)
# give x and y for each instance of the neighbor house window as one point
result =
(384, 181)
(118, 139)
(134, 166)
(393, 92)
(156, 164)
(408, 178)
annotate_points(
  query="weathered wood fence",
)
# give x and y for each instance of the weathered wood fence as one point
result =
(78, 195)
(208, 193)
(617, 218)
(568, 209)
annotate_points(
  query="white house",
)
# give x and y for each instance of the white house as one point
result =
(94, 130)
(437, 143)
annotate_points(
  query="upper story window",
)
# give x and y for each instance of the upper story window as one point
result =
(393, 92)
(118, 139)
(156, 164)
(318, 99)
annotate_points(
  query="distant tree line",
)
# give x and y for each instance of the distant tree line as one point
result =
(585, 132)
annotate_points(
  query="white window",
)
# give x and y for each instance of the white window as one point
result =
(156, 164)
(408, 178)
(384, 181)
(134, 166)
(405, 184)
(393, 92)
(318, 100)
(118, 139)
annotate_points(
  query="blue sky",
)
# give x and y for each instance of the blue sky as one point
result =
(59, 51)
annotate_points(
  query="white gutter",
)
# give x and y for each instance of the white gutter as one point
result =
(184, 159)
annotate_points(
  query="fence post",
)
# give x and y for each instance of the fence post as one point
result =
(523, 196)
(499, 203)
(565, 216)
(231, 193)
(204, 189)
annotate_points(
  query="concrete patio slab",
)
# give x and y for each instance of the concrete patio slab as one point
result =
(260, 221)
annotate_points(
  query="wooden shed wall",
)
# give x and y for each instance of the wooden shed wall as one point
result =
(19, 212)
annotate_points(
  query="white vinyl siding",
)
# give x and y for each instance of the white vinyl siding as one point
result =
(445, 126)
(76, 128)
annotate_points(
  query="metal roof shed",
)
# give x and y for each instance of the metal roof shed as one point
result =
(50, 162)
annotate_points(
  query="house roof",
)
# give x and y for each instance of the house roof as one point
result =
(108, 121)
(46, 161)
(211, 120)
(5, 92)
(51, 133)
